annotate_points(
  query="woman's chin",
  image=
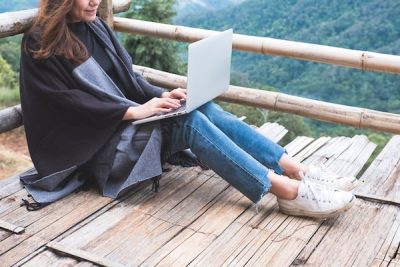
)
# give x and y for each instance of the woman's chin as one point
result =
(90, 18)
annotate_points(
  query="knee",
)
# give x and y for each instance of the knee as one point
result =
(196, 118)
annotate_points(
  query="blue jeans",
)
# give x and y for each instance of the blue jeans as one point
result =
(231, 148)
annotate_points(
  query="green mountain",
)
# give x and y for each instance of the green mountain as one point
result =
(192, 7)
(370, 25)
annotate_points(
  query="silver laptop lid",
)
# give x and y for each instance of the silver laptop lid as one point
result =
(209, 67)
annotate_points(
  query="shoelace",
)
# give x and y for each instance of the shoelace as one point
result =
(315, 176)
(318, 193)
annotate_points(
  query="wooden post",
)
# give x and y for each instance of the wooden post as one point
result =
(106, 12)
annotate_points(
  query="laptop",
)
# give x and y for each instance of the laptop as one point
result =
(208, 73)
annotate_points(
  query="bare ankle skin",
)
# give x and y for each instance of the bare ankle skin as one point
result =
(292, 167)
(283, 187)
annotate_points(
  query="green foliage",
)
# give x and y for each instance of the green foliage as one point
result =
(295, 125)
(193, 7)
(370, 25)
(257, 117)
(153, 52)
(8, 97)
(10, 51)
(7, 75)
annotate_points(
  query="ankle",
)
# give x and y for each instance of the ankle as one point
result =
(294, 174)
(283, 187)
(292, 190)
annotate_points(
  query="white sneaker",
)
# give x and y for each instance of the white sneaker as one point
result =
(318, 201)
(321, 175)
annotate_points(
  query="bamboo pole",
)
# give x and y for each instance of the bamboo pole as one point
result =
(106, 12)
(335, 113)
(10, 118)
(310, 52)
(12, 23)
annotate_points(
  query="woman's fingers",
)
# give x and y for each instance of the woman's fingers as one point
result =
(169, 103)
(181, 93)
(177, 93)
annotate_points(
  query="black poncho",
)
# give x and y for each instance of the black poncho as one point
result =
(72, 111)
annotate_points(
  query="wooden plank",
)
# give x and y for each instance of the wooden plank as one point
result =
(143, 226)
(261, 248)
(228, 208)
(199, 234)
(11, 202)
(389, 251)
(10, 188)
(381, 178)
(48, 258)
(329, 156)
(78, 253)
(273, 131)
(7, 181)
(149, 204)
(225, 209)
(11, 227)
(374, 176)
(174, 222)
(359, 237)
(374, 198)
(33, 221)
(57, 218)
(352, 160)
(177, 205)
(307, 151)
(298, 144)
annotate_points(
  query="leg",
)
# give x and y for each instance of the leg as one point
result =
(227, 159)
(261, 148)
(249, 176)
(250, 140)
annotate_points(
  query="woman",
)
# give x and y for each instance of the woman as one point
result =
(79, 93)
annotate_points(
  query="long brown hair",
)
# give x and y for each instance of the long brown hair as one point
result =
(55, 37)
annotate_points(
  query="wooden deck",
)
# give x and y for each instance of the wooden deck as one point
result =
(197, 219)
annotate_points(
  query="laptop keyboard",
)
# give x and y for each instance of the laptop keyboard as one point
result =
(181, 108)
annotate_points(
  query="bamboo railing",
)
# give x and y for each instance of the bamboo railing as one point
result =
(341, 114)
(268, 46)
(16, 22)
(12, 23)
(11, 118)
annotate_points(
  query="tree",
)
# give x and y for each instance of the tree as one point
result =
(10, 51)
(7, 75)
(153, 52)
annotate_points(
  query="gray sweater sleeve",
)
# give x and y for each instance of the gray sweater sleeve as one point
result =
(149, 89)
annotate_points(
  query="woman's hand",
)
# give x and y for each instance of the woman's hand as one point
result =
(177, 93)
(154, 106)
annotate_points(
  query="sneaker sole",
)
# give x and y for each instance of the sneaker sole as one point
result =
(318, 215)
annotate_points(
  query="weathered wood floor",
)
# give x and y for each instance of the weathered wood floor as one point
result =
(197, 219)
